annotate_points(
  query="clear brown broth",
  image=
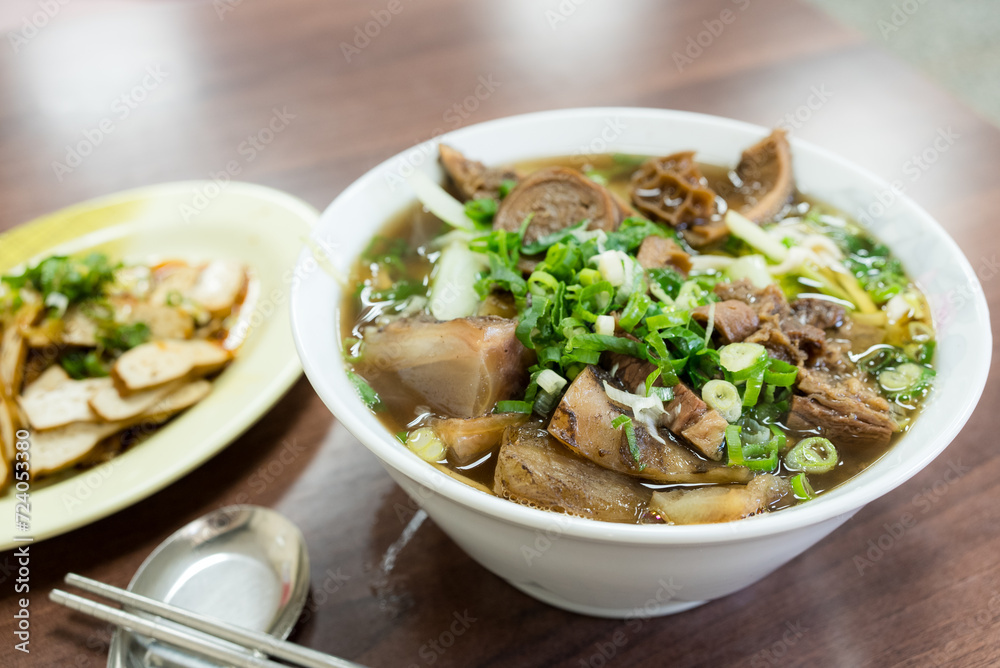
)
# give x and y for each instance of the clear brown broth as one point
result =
(418, 227)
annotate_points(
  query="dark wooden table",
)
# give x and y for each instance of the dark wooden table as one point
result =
(199, 78)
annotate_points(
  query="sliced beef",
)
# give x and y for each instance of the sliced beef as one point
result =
(842, 408)
(818, 313)
(536, 470)
(766, 182)
(473, 179)
(556, 198)
(583, 422)
(660, 253)
(459, 368)
(733, 320)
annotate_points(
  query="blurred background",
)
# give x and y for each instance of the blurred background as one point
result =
(956, 42)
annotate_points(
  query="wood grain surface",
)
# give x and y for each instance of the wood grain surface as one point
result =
(183, 85)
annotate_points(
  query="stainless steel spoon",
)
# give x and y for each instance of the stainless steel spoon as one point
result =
(242, 564)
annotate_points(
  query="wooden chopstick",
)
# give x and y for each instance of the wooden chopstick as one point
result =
(262, 642)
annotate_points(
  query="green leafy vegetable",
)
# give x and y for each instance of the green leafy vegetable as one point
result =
(482, 210)
(368, 395)
(75, 279)
(80, 365)
(124, 337)
(505, 187)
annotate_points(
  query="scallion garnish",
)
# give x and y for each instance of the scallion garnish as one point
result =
(625, 422)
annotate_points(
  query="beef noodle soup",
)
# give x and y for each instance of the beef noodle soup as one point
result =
(637, 339)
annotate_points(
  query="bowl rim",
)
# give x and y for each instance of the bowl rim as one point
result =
(350, 410)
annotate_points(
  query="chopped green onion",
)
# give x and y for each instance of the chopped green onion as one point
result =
(505, 187)
(780, 373)
(801, 488)
(724, 398)
(812, 455)
(903, 377)
(741, 357)
(615, 344)
(513, 407)
(734, 448)
(481, 210)
(401, 436)
(624, 421)
(604, 325)
(425, 444)
(365, 391)
(751, 391)
(550, 381)
(635, 310)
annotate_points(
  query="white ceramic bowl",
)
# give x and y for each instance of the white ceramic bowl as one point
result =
(567, 561)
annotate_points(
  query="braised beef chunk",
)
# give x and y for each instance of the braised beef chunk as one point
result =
(842, 408)
(468, 439)
(687, 416)
(473, 179)
(536, 470)
(690, 417)
(583, 422)
(781, 331)
(818, 313)
(458, 368)
(843, 429)
(556, 198)
(705, 505)
(630, 371)
(765, 177)
(658, 253)
(733, 320)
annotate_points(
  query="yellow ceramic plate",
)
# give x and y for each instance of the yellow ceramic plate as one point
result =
(195, 220)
